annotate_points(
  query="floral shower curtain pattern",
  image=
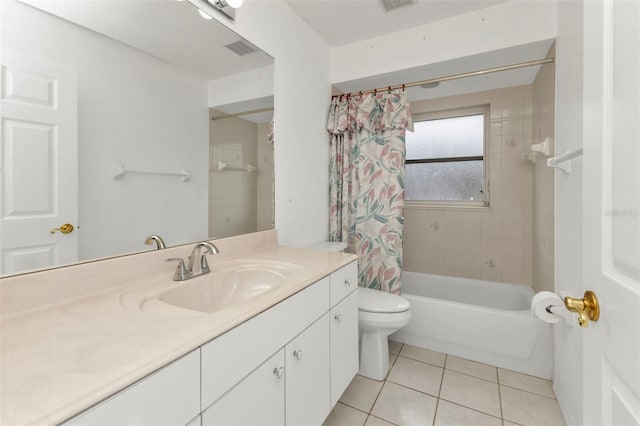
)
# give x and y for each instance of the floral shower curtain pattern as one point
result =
(366, 187)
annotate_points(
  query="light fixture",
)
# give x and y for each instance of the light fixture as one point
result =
(226, 7)
(220, 4)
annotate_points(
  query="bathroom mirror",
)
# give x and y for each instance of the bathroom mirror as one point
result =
(107, 111)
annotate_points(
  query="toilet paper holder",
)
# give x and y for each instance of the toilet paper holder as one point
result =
(587, 308)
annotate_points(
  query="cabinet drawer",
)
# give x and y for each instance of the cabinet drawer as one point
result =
(343, 282)
(170, 396)
(229, 358)
(344, 345)
(257, 400)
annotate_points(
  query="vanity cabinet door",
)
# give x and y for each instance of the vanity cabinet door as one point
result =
(308, 375)
(344, 345)
(257, 400)
(170, 396)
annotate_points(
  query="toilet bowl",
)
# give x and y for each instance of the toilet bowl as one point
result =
(379, 315)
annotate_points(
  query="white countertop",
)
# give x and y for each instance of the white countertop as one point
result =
(60, 359)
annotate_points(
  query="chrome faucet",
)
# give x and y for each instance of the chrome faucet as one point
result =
(158, 240)
(185, 272)
(204, 266)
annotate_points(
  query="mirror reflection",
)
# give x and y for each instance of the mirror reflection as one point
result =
(107, 125)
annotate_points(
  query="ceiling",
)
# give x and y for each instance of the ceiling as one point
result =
(171, 31)
(341, 22)
(347, 21)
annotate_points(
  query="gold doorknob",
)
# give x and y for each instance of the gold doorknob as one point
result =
(67, 228)
(587, 308)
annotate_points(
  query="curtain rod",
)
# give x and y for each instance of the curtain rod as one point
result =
(238, 114)
(450, 77)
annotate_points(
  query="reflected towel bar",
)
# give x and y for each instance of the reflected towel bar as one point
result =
(118, 171)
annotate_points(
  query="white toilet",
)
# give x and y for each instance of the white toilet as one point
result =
(379, 315)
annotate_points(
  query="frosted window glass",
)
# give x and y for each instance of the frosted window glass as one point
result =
(450, 180)
(447, 137)
(460, 180)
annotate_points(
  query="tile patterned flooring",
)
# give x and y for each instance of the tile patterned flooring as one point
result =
(430, 388)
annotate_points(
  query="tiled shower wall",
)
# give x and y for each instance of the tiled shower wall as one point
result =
(232, 193)
(495, 243)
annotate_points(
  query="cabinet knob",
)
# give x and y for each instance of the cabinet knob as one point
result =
(338, 317)
(298, 354)
(278, 372)
(347, 282)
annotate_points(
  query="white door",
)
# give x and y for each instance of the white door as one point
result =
(38, 162)
(611, 233)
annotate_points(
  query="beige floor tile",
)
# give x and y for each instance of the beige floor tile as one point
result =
(530, 409)
(449, 414)
(404, 406)
(472, 368)
(416, 375)
(506, 423)
(471, 392)
(526, 383)
(361, 393)
(374, 421)
(342, 415)
(394, 347)
(423, 355)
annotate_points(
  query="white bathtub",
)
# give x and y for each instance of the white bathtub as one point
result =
(483, 321)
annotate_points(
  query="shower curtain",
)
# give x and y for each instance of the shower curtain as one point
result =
(366, 182)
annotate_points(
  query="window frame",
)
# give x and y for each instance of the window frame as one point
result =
(484, 204)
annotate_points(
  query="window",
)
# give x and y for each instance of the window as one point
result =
(446, 161)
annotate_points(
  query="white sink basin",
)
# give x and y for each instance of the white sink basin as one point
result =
(228, 283)
(217, 290)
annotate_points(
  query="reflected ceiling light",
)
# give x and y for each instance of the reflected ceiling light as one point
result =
(204, 14)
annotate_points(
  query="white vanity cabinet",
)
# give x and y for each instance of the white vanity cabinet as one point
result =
(169, 396)
(286, 366)
(318, 331)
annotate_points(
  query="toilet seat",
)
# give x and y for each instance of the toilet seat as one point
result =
(376, 301)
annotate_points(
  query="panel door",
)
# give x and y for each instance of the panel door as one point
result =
(307, 379)
(257, 400)
(38, 162)
(344, 345)
(611, 194)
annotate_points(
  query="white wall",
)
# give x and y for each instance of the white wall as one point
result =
(134, 110)
(504, 25)
(568, 203)
(302, 96)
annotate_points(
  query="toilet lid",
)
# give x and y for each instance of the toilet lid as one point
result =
(377, 301)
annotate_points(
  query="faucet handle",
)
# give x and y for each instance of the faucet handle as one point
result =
(182, 273)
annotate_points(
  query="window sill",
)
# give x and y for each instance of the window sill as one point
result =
(446, 205)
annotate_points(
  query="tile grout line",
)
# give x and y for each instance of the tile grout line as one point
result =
(435, 412)
(384, 382)
(472, 409)
(500, 397)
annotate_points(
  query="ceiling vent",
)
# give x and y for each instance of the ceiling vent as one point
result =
(394, 4)
(241, 47)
